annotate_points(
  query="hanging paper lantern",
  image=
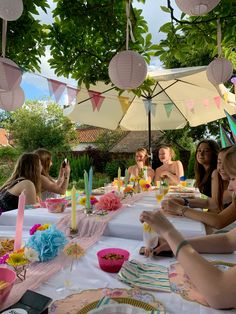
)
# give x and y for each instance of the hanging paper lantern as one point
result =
(11, 10)
(127, 70)
(10, 75)
(12, 100)
(219, 71)
(196, 7)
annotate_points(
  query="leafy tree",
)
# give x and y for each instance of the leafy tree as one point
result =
(39, 125)
(86, 35)
(109, 138)
(26, 36)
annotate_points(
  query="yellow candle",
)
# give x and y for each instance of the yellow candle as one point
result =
(73, 209)
(119, 175)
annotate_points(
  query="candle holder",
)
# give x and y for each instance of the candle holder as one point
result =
(88, 211)
(73, 232)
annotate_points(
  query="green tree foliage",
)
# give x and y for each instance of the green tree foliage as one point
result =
(86, 35)
(108, 139)
(26, 36)
(39, 125)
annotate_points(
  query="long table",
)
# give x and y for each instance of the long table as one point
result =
(125, 224)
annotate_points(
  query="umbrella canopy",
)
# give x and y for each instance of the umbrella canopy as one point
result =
(180, 95)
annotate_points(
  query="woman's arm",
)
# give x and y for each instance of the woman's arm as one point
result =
(179, 172)
(215, 220)
(217, 287)
(51, 186)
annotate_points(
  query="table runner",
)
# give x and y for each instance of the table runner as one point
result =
(90, 229)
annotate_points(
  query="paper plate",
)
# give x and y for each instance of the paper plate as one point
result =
(118, 309)
(135, 303)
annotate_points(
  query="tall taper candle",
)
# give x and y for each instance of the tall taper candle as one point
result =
(126, 177)
(86, 189)
(73, 209)
(119, 175)
(90, 180)
(19, 221)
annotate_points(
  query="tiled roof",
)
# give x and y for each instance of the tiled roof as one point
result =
(134, 140)
(89, 135)
(3, 137)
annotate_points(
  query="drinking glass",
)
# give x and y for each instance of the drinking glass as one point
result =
(159, 194)
(150, 237)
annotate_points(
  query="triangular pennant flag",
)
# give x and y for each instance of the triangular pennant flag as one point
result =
(225, 138)
(12, 75)
(149, 106)
(72, 94)
(96, 99)
(225, 97)
(56, 89)
(190, 105)
(232, 124)
(169, 107)
(206, 103)
(217, 101)
(125, 103)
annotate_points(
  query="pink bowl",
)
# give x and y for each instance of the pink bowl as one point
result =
(112, 265)
(56, 205)
(9, 276)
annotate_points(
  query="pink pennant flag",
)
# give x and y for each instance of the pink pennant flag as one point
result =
(96, 99)
(56, 89)
(206, 103)
(72, 94)
(217, 101)
(12, 75)
(190, 104)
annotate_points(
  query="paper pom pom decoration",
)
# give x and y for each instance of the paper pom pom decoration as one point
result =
(127, 70)
(10, 75)
(47, 242)
(109, 201)
(219, 71)
(196, 7)
(11, 10)
(12, 100)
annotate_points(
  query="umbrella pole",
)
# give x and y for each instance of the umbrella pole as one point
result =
(150, 137)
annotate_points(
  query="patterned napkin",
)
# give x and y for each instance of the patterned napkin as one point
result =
(146, 276)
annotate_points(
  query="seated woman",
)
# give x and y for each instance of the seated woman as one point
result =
(171, 170)
(141, 158)
(26, 177)
(205, 164)
(49, 186)
(218, 286)
(221, 211)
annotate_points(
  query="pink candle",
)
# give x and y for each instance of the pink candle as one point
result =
(19, 221)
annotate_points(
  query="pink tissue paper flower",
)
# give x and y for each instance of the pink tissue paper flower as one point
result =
(109, 201)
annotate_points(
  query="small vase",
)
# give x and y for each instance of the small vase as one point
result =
(88, 211)
(20, 272)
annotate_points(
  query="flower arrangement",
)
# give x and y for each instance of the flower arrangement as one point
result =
(109, 201)
(19, 260)
(47, 240)
(117, 182)
(93, 200)
(145, 185)
(128, 190)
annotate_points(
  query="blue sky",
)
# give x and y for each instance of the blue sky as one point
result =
(36, 86)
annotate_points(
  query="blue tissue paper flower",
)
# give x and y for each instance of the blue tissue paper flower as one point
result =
(47, 243)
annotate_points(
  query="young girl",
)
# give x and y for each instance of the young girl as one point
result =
(217, 216)
(26, 177)
(217, 286)
(205, 164)
(141, 158)
(49, 186)
(171, 170)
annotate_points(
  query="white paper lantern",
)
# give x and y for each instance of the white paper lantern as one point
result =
(196, 7)
(219, 71)
(12, 100)
(10, 75)
(127, 70)
(11, 10)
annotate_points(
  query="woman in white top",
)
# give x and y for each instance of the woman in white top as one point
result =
(171, 170)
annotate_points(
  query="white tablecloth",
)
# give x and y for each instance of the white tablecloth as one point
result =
(125, 224)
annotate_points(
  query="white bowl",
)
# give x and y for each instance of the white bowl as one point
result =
(118, 309)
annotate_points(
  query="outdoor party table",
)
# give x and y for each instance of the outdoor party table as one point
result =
(123, 224)
(87, 275)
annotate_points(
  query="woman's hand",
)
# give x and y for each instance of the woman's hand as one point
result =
(67, 169)
(162, 246)
(172, 207)
(157, 221)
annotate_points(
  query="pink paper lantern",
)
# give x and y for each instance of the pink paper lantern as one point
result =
(12, 100)
(127, 70)
(11, 10)
(196, 7)
(10, 75)
(219, 71)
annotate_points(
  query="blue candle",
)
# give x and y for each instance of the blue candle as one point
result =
(86, 189)
(90, 180)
